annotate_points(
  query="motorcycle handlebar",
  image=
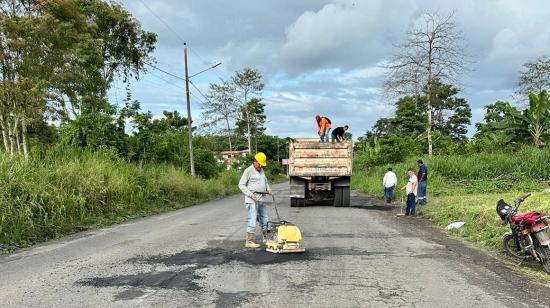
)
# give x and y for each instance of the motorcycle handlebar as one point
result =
(521, 199)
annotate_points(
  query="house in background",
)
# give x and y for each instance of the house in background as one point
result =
(229, 158)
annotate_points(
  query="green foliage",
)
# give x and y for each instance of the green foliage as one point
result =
(253, 114)
(538, 117)
(391, 149)
(93, 131)
(67, 191)
(450, 114)
(206, 165)
(510, 126)
(409, 118)
(59, 59)
(527, 170)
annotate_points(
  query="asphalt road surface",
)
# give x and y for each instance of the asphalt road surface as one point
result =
(363, 256)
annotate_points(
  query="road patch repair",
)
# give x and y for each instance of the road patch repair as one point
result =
(193, 267)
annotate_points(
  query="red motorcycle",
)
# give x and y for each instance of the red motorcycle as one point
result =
(528, 236)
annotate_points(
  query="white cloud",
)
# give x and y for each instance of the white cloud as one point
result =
(324, 56)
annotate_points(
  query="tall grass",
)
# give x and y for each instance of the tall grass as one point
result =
(526, 170)
(467, 188)
(65, 192)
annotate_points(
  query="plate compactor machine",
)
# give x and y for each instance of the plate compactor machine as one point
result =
(282, 236)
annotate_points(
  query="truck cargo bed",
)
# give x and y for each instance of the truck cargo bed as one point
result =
(320, 173)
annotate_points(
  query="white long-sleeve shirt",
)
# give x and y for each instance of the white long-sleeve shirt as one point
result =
(253, 181)
(390, 179)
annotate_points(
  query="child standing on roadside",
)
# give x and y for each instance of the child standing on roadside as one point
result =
(411, 191)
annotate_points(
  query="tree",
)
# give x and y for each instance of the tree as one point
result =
(432, 52)
(221, 109)
(450, 114)
(248, 82)
(538, 117)
(534, 78)
(530, 126)
(254, 110)
(53, 51)
(409, 118)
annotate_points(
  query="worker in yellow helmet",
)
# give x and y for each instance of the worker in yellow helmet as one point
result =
(254, 186)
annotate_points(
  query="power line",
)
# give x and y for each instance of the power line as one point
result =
(169, 82)
(167, 73)
(196, 97)
(194, 86)
(180, 78)
(202, 59)
(179, 87)
(162, 21)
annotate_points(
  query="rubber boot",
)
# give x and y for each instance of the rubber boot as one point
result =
(264, 237)
(250, 241)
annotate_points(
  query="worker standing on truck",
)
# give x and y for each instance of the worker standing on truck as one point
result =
(323, 127)
(254, 186)
(338, 133)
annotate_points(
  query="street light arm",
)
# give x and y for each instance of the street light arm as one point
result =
(211, 67)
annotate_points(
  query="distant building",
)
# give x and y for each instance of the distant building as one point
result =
(228, 158)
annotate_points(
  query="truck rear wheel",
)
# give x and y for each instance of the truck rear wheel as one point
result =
(341, 197)
(297, 202)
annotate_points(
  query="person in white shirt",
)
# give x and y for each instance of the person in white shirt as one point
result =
(389, 182)
(411, 190)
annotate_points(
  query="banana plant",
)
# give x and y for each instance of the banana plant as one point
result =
(538, 117)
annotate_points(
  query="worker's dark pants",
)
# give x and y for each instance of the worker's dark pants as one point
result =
(422, 186)
(388, 193)
(411, 200)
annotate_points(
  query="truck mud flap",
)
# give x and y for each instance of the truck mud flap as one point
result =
(342, 196)
(297, 202)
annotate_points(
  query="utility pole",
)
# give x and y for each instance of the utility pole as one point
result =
(189, 120)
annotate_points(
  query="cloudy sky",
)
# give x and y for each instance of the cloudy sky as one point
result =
(323, 56)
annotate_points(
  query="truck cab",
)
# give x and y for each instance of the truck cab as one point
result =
(320, 173)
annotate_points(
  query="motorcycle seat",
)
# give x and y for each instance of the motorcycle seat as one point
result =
(528, 218)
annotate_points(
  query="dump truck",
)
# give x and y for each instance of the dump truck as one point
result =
(320, 172)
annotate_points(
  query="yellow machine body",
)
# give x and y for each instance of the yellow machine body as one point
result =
(285, 240)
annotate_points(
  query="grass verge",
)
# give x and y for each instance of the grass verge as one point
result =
(467, 188)
(62, 193)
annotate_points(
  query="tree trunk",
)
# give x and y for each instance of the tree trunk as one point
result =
(247, 111)
(429, 131)
(17, 134)
(4, 134)
(24, 142)
(429, 90)
(11, 133)
(229, 137)
(249, 134)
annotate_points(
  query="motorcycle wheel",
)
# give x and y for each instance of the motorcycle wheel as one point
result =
(510, 246)
(544, 252)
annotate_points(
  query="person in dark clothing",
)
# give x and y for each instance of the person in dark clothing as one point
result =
(422, 182)
(338, 133)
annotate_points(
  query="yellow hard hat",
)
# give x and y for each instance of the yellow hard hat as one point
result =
(261, 159)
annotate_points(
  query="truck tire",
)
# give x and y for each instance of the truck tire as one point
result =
(341, 197)
(297, 202)
(346, 197)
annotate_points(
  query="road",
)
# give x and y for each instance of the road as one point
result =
(360, 256)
